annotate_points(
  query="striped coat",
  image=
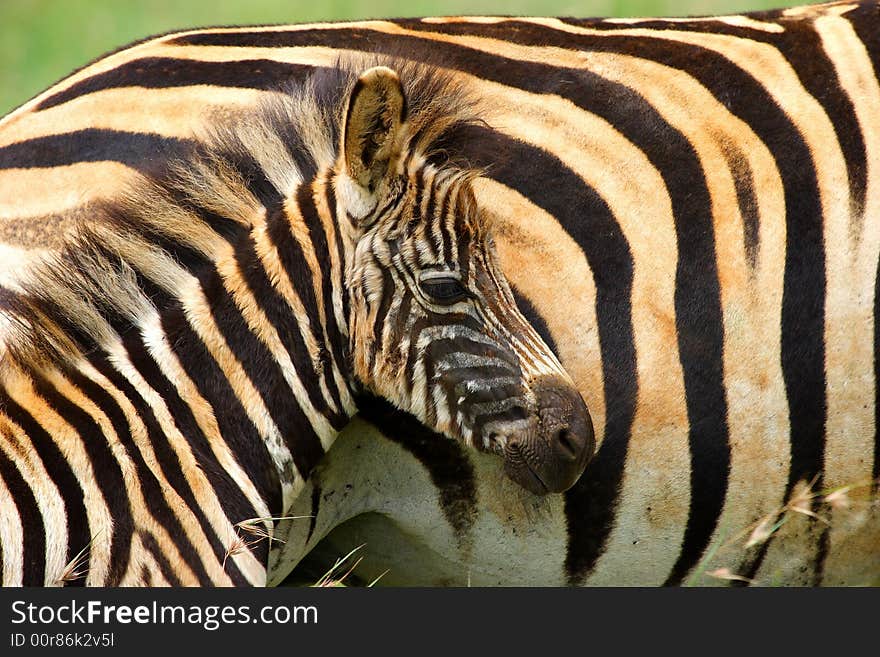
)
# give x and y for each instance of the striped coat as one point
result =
(173, 374)
(703, 194)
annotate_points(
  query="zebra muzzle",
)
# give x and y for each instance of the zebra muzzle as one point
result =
(551, 455)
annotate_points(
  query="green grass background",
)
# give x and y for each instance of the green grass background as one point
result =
(41, 41)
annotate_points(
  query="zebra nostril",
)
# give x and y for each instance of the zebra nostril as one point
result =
(494, 442)
(568, 446)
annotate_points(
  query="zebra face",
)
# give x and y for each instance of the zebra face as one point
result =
(434, 327)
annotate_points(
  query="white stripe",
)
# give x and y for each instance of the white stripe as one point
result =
(11, 538)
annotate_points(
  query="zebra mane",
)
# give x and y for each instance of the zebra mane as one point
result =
(129, 253)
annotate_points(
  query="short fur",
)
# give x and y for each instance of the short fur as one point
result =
(63, 311)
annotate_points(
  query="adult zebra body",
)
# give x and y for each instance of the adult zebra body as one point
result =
(703, 193)
(173, 374)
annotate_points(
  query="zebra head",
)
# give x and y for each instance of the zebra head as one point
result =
(434, 327)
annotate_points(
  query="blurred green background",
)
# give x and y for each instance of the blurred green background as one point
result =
(42, 41)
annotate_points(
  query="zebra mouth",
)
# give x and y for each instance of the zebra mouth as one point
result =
(525, 476)
(540, 470)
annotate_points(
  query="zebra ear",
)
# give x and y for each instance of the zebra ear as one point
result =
(370, 136)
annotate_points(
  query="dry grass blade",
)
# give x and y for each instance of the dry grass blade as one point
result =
(237, 546)
(802, 501)
(71, 572)
(259, 528)
(262, 528)
(839, 499)
(727, 575)
(329, 578)
(765, 529)
(375, 581)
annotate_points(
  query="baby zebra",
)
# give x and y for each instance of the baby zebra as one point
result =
(171, 378)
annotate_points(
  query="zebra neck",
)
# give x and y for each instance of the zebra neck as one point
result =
(293, 266)
(243, 348)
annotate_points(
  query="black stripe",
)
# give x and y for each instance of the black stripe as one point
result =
(293, 139)
(168, 72)
(463, 245)
(802, 48)
(315, 504)
(744, 184)
(379, 321)
(446, 462)
(876, 471)
(534, 318)
(433, 221)
(254, 177)
(429, 321)
(108, 477)
(445, 234)
(33, 533)
(330, 200)
(318, 239)
(164, 566)
(60, 472)
(92, 145)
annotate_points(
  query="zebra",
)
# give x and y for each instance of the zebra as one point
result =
(173, 374)
(688, 219)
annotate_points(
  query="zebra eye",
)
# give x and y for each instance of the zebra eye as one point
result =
(445, 291)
